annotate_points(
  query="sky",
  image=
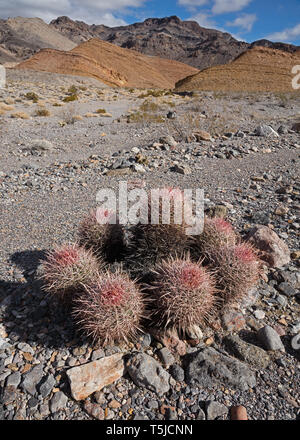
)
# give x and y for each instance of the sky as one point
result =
(247, 20)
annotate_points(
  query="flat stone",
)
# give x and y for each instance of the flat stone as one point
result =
(286, 289)
(47, 385)
(212, 369)
(89, 378)
(215, 410)
(233, 320)
(270, 339)
(146, 372)
(98, 354)
(25, 348)
(253, 355)
(14, 379)
(32, 379)
(58, 402)
(274, 250)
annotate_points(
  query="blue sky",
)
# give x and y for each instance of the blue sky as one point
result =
(248, 20)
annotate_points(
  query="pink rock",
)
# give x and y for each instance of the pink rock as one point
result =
(170, 339)
(274, 250)
(238, 413)
(94, 410)
(89, 378)
(233, 320)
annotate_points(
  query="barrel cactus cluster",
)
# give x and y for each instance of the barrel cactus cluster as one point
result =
(121, 280)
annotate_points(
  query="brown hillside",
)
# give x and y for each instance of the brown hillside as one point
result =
(257, 70)
(110, 64)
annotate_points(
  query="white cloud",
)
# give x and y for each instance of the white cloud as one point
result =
(287, 35)
(225, 6)
(193, 3)
(204, 20)
(245, 22)
(91, 11)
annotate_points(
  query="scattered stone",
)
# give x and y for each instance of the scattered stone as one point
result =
(170, 339)
(194, 332)
(25, 348)
(233, 320)
(238, 413)
(181, 169)
(202, 135)
(146, 372)
(265, 131)
(41, 145)
(295, 255)
(296, 127)
(215, 410)
(211, 369)
(286, 289)
(89, 378)
(47, 386)
(218, 211)
(32, 379)
(177, 372)
(58, 402)
(275, 252)
(168, 140)
(94, 410)
(253, 355)
(14, 379)
(138, 168)
(98, 354)
(270, 339)
(172, 115)
(282, 130)
(166, 357)
(259, 314)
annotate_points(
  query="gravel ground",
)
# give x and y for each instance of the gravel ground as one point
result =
(50, 172)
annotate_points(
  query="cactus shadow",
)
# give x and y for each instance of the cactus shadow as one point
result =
(29, 314)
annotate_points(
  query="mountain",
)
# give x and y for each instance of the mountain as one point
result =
(168, 37)
(22, 37)
(259, 69)
(111, 65)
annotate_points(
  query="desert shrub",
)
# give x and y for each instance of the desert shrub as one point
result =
(20, 115)
(31, 96)
(71, 98)
(72, 90)
(42, 112)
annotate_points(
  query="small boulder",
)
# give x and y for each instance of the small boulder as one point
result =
(211, 369)
(270, 339)
(265, 131)
(146, 372)
(89, 378)
(275, 252)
